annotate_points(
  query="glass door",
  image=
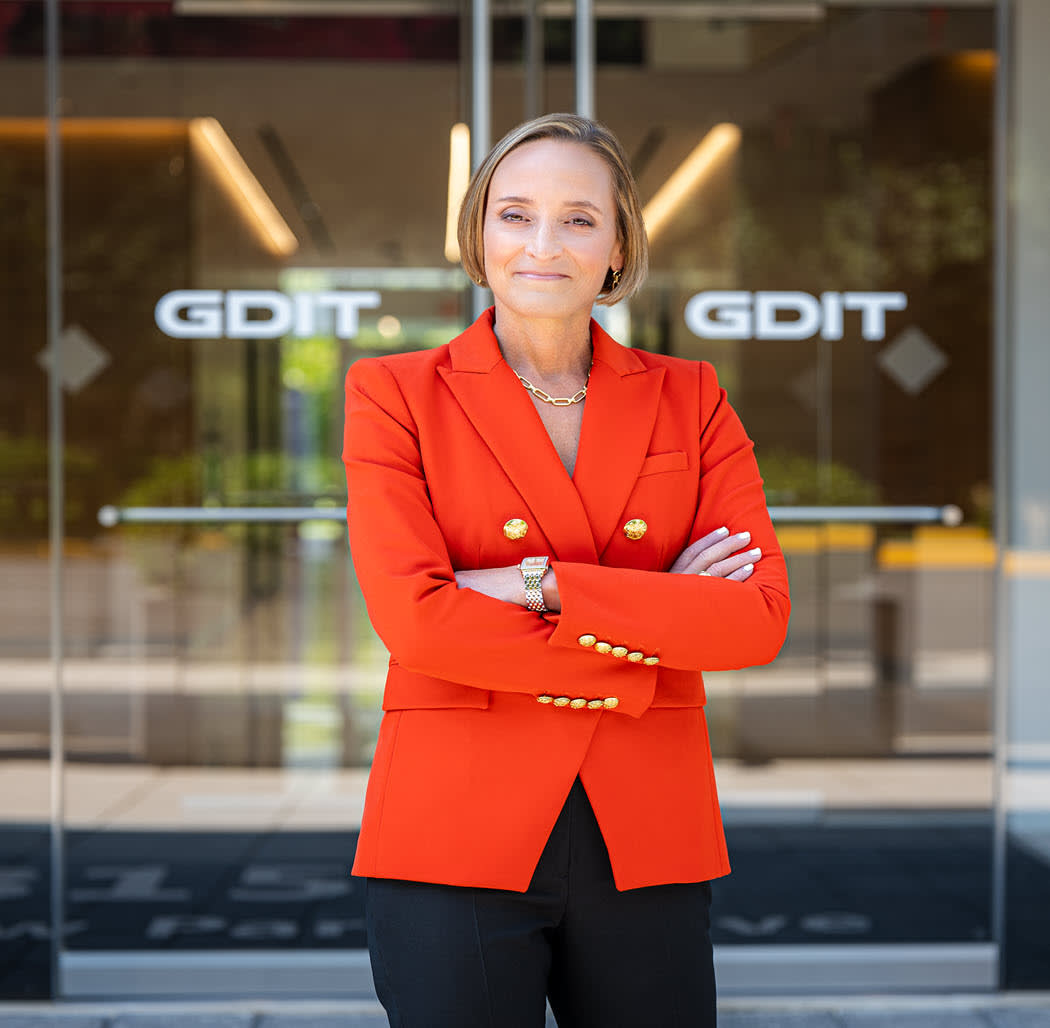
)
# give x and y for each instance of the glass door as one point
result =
(818, 190)
(250, 205)
(26, 672)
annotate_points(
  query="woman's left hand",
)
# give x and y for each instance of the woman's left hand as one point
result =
(719, 555)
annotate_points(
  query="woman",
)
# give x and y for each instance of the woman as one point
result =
(554, 534)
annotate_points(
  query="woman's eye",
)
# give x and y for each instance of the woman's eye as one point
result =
(580, 220)
(512, 216)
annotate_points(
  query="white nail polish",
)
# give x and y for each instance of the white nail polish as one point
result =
(744, 536)
(756, 552)
(748, 568)
(722, 531)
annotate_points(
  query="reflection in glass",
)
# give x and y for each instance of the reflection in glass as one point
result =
(223, 683)
(833, 260)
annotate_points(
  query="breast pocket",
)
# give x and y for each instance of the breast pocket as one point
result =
(657, 463)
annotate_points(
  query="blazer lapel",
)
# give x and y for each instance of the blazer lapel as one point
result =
(622, 403)
(505, 418)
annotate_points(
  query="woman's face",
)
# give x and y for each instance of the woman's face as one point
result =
(550, 229)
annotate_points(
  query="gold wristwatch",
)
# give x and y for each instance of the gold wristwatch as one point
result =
(532, 571)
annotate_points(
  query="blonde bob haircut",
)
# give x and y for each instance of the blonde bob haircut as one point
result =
(630, 229)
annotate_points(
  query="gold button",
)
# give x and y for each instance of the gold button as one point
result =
(634, 656)
(515, 529)
(595, 704)
(610, 702)
(544, 699)
(619, 651)
(651, 661)
(635, 529)
(587, 640)
(561, 701)
(578, 704)
(603, 647)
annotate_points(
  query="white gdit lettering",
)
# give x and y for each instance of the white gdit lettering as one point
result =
(831, 304)
(769, 305)
(719, 315)
(203, 314)
(240, 302)
(737, 314)
(873, 307)
(346, 306)
(261, 313)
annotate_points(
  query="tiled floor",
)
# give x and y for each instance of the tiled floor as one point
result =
(1001, 1011)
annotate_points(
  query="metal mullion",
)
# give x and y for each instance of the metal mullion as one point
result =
(481, 107)
(1002, 382)
(56, 491)
(533, 59)
(584, 58)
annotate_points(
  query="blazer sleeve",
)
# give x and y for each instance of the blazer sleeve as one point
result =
(692, 621)
(428, 624)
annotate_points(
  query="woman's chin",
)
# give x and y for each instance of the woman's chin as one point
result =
(543, 303)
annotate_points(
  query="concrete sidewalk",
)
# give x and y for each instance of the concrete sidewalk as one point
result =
(1016, 1010)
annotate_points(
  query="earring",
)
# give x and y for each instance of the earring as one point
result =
(616, 277)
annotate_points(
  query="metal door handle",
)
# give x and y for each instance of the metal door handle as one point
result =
(903, 515)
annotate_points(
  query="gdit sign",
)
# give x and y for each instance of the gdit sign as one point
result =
(734, 314)
(235, 313)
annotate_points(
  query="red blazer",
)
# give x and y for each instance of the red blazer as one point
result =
(473, 763)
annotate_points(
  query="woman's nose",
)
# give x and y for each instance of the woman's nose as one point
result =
(545, 240)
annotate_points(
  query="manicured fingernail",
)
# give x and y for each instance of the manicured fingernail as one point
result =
(722, 531)
(744, 536)
(748, 568)
(756, 552)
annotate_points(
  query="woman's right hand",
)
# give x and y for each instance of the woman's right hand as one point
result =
(719, 555)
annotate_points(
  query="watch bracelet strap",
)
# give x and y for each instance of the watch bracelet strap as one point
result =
(534, 590)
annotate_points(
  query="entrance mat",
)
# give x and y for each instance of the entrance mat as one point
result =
(167, 891)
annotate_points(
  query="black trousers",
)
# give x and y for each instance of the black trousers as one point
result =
(451, 957)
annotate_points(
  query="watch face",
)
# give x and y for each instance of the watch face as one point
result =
(534, 563)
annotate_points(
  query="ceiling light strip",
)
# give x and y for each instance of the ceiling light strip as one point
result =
(714, 148)
(217, 149)
(458, 179)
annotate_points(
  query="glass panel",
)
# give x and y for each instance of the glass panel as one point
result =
(819, 198)
(223, 682)
(250, 206)
(25, 669)
(1025, 583)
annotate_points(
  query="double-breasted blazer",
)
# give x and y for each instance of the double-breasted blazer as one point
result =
(480, 740)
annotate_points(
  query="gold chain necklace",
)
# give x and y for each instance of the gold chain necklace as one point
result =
(557, 401)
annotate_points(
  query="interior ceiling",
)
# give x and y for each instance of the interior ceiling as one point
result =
(355, 164)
